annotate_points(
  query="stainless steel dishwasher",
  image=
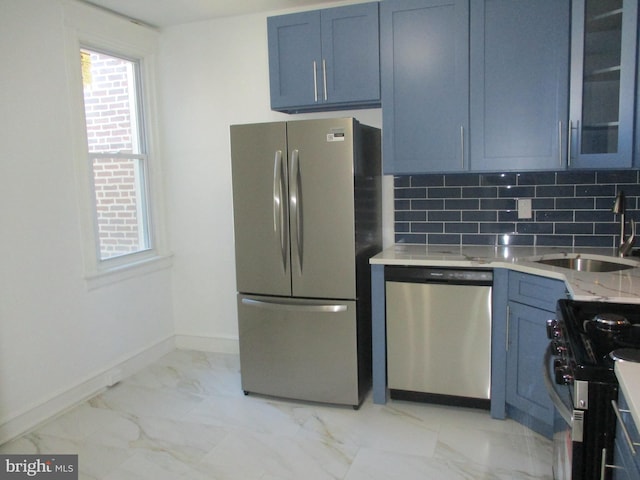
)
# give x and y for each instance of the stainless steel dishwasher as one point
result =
(439, 334)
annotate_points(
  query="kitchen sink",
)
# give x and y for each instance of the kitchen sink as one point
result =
(584, 263)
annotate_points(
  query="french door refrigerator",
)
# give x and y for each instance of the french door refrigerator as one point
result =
(307, 218)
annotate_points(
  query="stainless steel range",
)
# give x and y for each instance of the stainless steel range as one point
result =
(585, 339)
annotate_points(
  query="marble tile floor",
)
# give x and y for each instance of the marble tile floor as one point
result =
(185, 418)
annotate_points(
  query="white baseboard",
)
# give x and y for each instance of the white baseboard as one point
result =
(60, 402)
(208, 344)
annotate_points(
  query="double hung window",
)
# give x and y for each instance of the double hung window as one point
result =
(117, 154)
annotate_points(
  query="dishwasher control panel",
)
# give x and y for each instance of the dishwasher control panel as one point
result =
(438, 275)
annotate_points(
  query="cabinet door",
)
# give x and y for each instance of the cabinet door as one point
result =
(519, 84)
(425, 85)
(624, 457)
(536, 291)
(527, 341)
(350, 54)
(294, 53)
(626, 467)
(622, 461)
(603, 55)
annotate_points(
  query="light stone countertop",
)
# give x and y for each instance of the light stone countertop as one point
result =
(622, 286)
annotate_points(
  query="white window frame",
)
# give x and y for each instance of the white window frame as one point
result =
(88, 27)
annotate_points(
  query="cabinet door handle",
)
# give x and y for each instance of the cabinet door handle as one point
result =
(315, 81)
(560, 143)
(324, 78)
(462, 144)
(506, 341)
(569, 140)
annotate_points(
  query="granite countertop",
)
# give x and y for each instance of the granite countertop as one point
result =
(622, 286)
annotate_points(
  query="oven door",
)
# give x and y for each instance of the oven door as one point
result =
(563, 445)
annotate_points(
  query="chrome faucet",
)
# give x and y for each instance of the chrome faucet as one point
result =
(625, 244)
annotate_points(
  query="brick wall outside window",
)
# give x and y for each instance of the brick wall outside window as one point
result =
(109, 103)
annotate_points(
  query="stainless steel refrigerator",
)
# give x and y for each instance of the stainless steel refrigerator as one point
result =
(307, 217)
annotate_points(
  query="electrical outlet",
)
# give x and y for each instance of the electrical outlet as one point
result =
(524, 208)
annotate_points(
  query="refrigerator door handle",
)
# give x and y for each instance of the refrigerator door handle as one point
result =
(278, 206)
(296, 204)
(294, 307)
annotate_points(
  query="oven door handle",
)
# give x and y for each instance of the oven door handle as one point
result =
(563, 410)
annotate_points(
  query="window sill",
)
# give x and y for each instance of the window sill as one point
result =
(137, 268)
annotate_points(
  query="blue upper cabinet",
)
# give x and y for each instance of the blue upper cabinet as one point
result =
(474, 86)
(294, 52)
(519, 68)
(351, 54)
(425, 85)
(603, 68)
(325, 59)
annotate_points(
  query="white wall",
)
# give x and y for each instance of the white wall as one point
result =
(59, 340)
(212, 74)
(56, 337)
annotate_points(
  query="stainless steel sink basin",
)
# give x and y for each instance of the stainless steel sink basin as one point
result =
(585, 264)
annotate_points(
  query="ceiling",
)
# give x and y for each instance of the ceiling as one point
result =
(164, 13)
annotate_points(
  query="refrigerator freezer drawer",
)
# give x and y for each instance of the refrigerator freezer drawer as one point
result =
(300, 349)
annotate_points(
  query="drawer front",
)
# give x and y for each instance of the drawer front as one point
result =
(539, 292)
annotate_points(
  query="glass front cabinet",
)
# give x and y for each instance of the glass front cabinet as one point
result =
(603, 67)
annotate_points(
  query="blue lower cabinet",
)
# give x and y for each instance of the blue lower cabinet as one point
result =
(620, 460)
(531, 303)
(626, 458)
(527, 397)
